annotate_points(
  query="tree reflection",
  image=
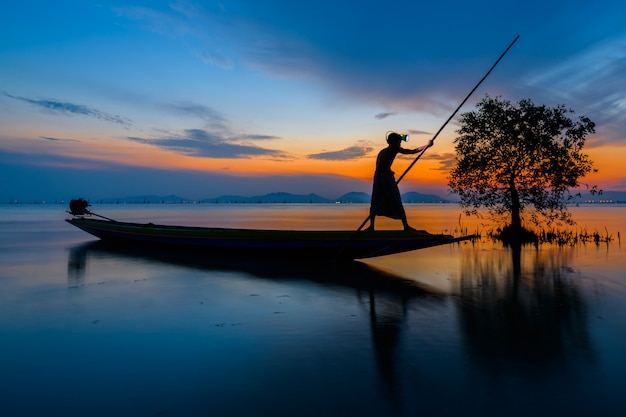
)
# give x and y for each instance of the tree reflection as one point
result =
(521, 308)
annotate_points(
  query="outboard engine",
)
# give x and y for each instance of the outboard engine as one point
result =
(79, 207)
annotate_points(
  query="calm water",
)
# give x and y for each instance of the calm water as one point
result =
(467, 329)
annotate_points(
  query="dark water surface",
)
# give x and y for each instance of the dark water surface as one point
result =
(468, 329)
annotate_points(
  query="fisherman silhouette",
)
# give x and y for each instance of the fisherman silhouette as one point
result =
(386, 200)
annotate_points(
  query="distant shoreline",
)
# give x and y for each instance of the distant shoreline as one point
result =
(607, 198)
(323, 203)
(201, 203)
(271, 198)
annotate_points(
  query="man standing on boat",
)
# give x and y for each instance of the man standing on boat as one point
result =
(386, 200)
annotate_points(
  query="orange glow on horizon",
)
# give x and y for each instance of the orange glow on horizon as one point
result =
(426, 172)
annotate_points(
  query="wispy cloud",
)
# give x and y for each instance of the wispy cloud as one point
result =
(67, 108)
(213, 117)
(217, 58)
(188, 21)
(404, 68)
(257, 137)
(77, 177)
(200, 143)
(162, 22)
(352, 152)
(419, 132)
(381, 116)
(591, 82)
(58, 139)
(446, 160)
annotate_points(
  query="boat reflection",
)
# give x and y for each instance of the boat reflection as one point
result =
(354, 274)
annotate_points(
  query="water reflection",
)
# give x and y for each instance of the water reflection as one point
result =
(383, 295)
(521, 309)
(521, 313)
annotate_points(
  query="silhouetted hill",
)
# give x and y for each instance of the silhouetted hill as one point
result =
(272, 198)
(607, 197)
(413, 197)
(355, 198)
(145, 199)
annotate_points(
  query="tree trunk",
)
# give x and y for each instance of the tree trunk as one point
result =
(516, 221)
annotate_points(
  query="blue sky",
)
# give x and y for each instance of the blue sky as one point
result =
(203, 98)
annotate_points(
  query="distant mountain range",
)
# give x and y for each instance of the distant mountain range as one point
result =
(273, 198)
(607, 197)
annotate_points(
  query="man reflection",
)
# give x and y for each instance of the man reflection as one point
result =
(386, 318)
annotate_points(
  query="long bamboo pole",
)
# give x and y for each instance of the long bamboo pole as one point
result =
(458, 108)
(447, 121)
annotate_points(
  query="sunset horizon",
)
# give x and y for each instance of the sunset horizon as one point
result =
(141, 99)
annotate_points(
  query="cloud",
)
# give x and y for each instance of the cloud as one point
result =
(419, 132)
(352, 152)
(66, 108)
(258, 137)
(381, 116)
(592, 82)
(400, 64)
(409, 61)
(286, 40)
(162, 22)
(58, 139)
(217, 58)
(213, 117)
(200, 143)
(446, 160)
(184, 20)
(36, 177)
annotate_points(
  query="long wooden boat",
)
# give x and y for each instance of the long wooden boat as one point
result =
(279, 244)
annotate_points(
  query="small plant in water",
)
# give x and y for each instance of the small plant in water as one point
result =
(560, 237)
(566, 235)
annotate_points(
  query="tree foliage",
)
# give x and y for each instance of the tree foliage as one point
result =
(520, 159)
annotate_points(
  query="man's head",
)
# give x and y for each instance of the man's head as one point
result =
(396, 138)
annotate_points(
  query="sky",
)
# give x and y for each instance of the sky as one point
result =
(103, 99)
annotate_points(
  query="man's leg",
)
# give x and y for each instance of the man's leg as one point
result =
(405, 223)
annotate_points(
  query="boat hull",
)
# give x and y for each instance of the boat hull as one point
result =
(308, 244)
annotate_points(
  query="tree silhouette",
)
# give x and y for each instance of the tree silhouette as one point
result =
(524, 158)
